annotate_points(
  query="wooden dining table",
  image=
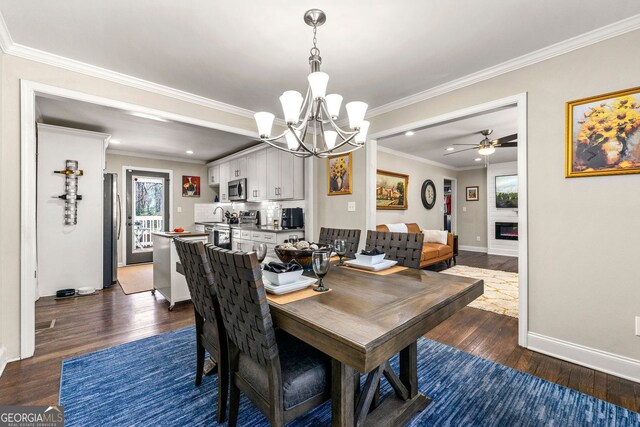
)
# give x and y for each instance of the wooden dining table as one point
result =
(363, 322)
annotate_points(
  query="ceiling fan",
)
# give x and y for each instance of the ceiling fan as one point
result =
(487, 147)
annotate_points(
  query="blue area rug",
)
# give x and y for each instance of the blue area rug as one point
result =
(150, 382)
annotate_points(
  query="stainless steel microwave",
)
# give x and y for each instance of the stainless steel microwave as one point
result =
(238, 190)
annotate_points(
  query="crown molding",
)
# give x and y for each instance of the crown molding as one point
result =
(5, 38)
(416, 158)
(154, 156)
(600, 34)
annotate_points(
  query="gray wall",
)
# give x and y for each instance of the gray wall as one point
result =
(431, 219)
(14, 69)
(472, 223)
(583, 232)
(183, 219)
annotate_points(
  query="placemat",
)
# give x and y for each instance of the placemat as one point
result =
(394, 269)
(294, 296)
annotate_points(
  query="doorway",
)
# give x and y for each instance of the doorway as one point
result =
(449, 205)
(147, 212)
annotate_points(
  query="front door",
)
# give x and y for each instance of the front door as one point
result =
(147, 212)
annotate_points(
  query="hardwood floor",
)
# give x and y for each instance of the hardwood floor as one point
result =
(91, 323)
(490, 262)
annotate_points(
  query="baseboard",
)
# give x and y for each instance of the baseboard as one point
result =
(599, 360)
(121, 264)
(503, 252)
(472, 248)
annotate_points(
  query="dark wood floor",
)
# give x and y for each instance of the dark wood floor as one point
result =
(109, 318)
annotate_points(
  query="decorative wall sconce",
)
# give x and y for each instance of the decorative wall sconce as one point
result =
(70, 196)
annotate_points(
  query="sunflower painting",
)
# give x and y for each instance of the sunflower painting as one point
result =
(603, 135)
(339, 175)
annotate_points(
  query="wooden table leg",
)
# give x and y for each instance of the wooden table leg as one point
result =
(342, 394)
(409, 368)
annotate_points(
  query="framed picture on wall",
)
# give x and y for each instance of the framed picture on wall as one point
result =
(603, 135)
(473, 194)
(507, 191)
(339, 174)
(190, 186)
(391, 190)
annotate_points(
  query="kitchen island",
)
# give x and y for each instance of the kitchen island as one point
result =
(166, 280)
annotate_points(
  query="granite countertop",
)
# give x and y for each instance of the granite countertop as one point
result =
(170, 235)
(268, 228)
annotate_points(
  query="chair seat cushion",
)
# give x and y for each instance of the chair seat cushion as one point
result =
(435, 250)
(305, 371)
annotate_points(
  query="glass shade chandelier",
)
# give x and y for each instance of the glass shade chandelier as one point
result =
(311, 121)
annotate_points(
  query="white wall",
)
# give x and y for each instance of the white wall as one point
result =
(494, 214)
(418, 171)
(69, 256)
(472, 215)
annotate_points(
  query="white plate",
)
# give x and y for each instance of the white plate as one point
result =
(387, 263)
(302, 283)
(370, 259)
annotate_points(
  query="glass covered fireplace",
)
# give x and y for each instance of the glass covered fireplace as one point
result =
(507, 230)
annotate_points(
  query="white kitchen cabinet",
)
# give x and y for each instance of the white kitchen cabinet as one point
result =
(238, 168)
(257, 176)
(223, 192)
(214, 175)
(199, 228)
(285, 176)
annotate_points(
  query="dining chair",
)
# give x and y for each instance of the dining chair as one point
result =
(210, 333)
(352, 236)
(406, 248)
(283, 376)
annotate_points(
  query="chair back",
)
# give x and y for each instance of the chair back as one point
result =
(352, 236)
(198, 276)
(243, 302)
(406, 248)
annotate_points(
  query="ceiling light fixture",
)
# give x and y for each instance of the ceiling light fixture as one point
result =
(450, 148)
(148, 116)
(486, 150)
(477, 159)
(114, 141)
(319, 113)
(409, 133)
(189, 152)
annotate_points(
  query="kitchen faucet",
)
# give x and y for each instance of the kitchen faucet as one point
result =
(216, 210)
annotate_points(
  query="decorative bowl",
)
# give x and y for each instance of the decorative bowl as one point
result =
(370, 259)
(282, 278)
(302, 256)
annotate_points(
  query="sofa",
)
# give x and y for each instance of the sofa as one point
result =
(432, 253)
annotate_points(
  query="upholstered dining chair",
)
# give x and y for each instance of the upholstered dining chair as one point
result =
(210, 333)
(406, 248)
(281, 375)
(352, 236)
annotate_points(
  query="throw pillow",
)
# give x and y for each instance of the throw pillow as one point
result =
(435, 236)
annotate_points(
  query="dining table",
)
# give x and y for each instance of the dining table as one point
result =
(363, 322)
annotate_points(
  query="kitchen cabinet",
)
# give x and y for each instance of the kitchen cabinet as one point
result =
(238, 168)
(285, 175)
(257, 176)
(224, 182)
(214, 175)
(245, 240)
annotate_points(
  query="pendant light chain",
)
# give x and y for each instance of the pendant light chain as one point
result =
(314, 50)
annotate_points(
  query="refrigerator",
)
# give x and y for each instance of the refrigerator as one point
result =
(112, 216)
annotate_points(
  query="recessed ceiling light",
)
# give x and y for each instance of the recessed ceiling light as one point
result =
(409, 133)
(477, 159)
(114, 141)
(450, 148)
(189, 152)
(148, 116)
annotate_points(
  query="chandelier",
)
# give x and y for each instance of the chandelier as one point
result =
(311, 121)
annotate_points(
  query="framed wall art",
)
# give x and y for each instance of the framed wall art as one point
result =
(507, 191)
(339, 174)
(391, 190)
(190, 186)
(473, 194)
(603, 136)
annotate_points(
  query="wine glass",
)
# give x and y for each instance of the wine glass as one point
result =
(320, 263)
(261, 251)
(341, 249)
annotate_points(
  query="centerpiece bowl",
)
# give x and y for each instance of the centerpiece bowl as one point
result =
(303, 256)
